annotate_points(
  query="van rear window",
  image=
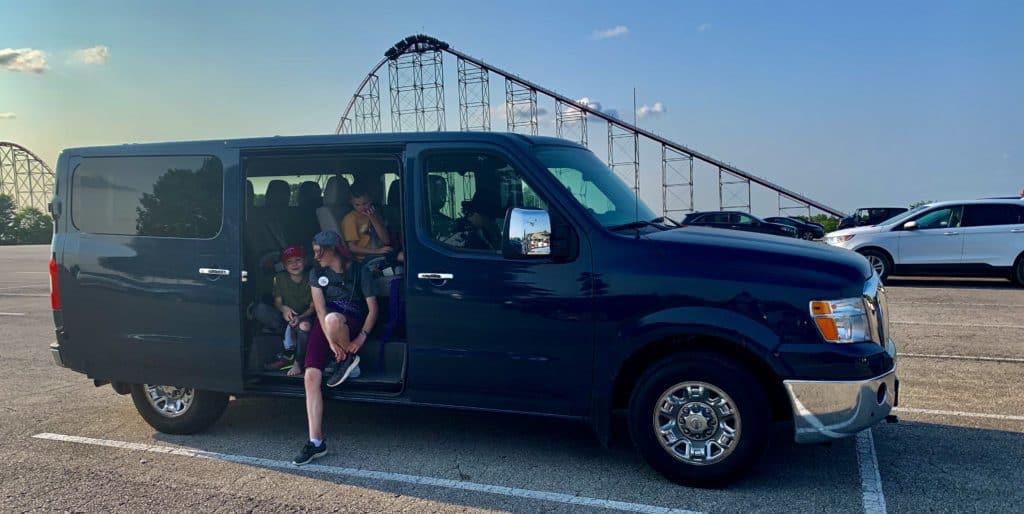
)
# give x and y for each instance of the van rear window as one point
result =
(165, 196)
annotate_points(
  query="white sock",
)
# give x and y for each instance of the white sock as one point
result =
(316, 442)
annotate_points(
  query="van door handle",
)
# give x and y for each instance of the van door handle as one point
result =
(1017, 230)
(950, 233)
(435, 276)
(214, 271)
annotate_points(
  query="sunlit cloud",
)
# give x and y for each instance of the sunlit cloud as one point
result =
(7, 115)
(655, 109)
(94, 55)
(23, 59)
(703, 27)
(616, 31)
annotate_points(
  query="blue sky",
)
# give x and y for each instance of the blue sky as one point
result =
(852, 104)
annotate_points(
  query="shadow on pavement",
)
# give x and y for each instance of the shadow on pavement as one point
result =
(541, 454)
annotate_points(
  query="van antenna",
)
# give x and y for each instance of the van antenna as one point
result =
(636, 174)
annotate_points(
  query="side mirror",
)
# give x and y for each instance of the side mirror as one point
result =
(527, 234)
(910, 225)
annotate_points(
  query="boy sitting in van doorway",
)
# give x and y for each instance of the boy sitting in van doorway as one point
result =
(339, 330)
(294, 306)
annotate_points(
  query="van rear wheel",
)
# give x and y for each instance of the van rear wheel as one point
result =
(178, 410)
(699, 419)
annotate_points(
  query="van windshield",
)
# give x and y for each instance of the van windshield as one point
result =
(904, 215)
(602, 193)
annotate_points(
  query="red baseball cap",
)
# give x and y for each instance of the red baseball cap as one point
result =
(290, 252)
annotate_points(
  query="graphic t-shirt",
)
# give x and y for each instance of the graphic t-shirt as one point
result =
(340, 286)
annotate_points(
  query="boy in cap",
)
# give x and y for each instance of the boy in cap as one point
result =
(339, 331)
(294, 303)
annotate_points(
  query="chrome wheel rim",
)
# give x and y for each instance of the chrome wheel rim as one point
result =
(170, 401)
(697, 423)
(877, 264)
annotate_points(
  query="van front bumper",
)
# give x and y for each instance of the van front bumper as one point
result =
(824, 410)
(55, 353)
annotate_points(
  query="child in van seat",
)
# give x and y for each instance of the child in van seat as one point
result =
(293, 301)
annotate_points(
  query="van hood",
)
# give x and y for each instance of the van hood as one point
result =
(795, 259)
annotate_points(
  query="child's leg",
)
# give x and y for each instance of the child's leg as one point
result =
(301, 339)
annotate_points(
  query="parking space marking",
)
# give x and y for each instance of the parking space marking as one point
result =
(12, 313)
(500, 490)
(23, 294)
(951, 304)
(8, 288)
(969, 325)
(960, 357)
(871, 481)
(959, 414)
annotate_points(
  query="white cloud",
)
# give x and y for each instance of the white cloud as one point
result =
(616, 31)
(703, 26)
(645, 110)
(7, 115)
(23, 59)
(595, 105)
(94, 55)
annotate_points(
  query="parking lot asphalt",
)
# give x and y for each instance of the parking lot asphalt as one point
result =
(959, 446)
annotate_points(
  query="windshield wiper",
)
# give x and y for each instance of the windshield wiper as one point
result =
(657, 223)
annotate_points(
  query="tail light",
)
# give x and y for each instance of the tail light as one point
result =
(54, 287)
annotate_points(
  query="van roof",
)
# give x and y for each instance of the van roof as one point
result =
(333, 139)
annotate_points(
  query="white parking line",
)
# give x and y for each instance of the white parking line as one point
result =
(960, 357)
(966, 325)
(33, 272)
(12, 313)
(959, 414)
(951, 304)
(22, 286)
(23, 294)
(374, 475)
(871, 481)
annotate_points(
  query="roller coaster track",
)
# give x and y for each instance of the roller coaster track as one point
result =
(416, 94)
(24, 176)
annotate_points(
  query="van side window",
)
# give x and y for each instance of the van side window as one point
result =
(468, 194)
(169, 196)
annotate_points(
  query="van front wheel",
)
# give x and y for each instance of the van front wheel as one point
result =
(700, 419)
(178, 410)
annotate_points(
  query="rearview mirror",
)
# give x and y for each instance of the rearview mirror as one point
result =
(527, 234)
(910, 225)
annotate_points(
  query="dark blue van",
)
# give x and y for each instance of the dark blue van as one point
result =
(582, 303)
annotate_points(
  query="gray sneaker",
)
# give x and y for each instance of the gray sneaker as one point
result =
(343, 370)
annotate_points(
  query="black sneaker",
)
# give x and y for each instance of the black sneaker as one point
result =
(343, 370)
(310, 452)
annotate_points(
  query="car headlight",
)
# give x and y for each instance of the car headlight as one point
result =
(834, 240)
(841, 321)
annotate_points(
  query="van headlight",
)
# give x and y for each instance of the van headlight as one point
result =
(841, 321)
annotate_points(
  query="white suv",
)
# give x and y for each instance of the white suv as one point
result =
(972, 237)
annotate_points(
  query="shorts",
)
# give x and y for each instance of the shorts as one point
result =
(318, 350)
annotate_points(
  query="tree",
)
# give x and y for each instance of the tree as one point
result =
(184, 203)
(7, 235)
(829, 222)
(32, 226)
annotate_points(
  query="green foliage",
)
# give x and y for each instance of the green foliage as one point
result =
(829, 222)
(23, 226)
(7, 235)
(33, 226)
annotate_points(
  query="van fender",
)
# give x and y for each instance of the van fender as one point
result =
(688, 327)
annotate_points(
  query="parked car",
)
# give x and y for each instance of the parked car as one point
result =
(804, 229)
(736, 220)
(870, 216)
(587, 305)
(963, 238)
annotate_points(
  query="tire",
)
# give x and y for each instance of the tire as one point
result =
(175, 410)
(879, 261)
(701, 377)
(1018, 271)
(807, 236)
